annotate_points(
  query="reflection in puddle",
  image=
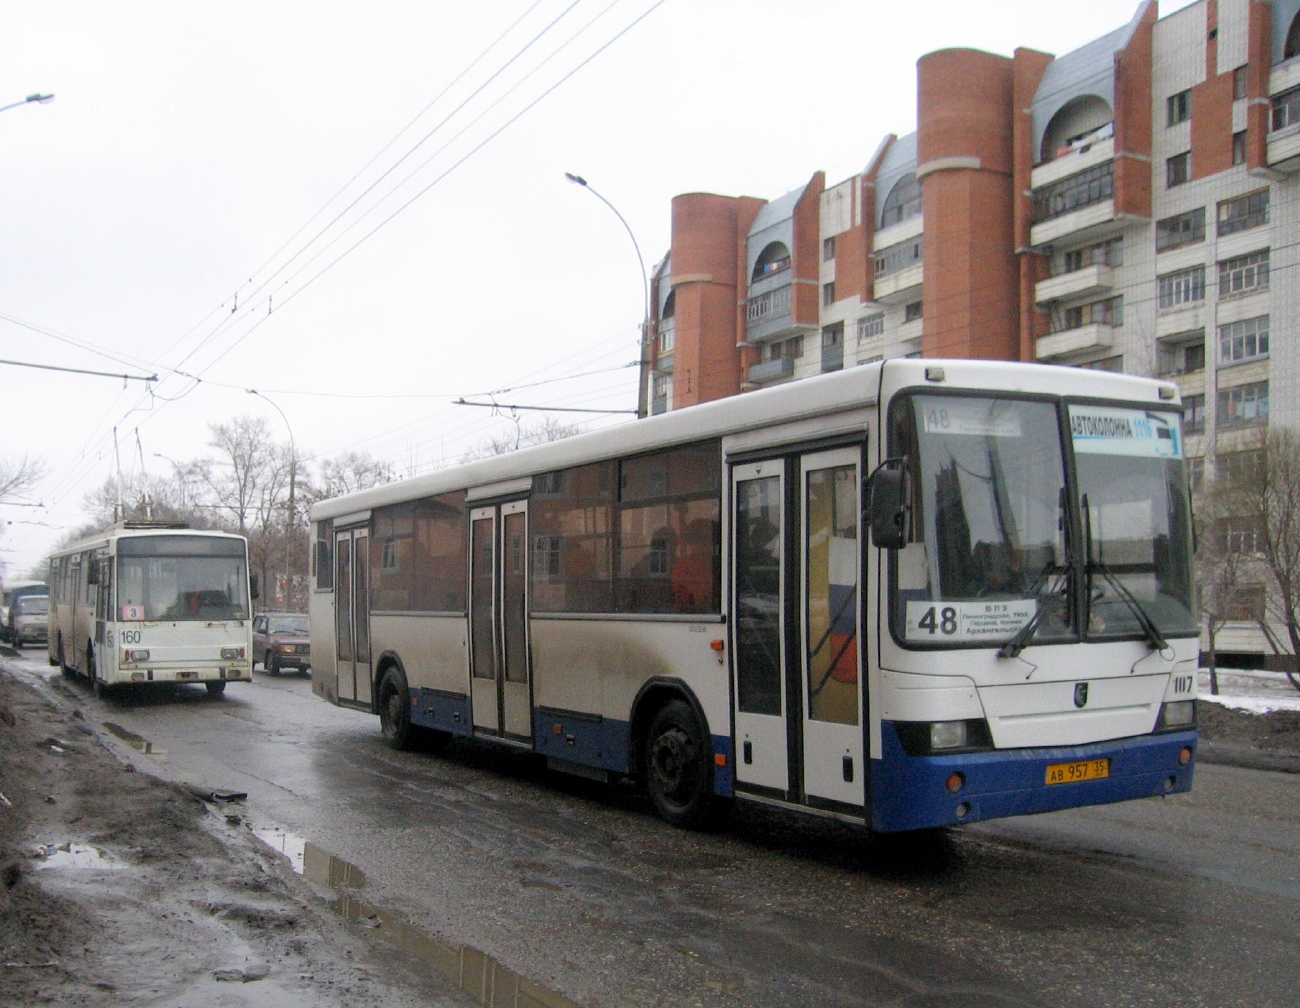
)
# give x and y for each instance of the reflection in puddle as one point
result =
(74, 855)
(476, 973)
(135, 741)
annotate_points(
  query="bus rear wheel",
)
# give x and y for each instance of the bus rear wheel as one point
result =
(215, 687)
(679, 767)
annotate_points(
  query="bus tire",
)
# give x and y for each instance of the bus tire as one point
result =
(395, 712)
(679, 767)
(215, 687)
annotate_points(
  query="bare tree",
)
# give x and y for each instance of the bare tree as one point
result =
(1224, 560)
(246, 457)
(352, 471)
(541, 431)
(1262, 493)
(18, 475)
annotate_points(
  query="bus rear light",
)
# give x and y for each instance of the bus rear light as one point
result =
(232, 652)
(956, 781)
(137, 654)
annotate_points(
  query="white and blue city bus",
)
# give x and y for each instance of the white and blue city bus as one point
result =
(909, 594)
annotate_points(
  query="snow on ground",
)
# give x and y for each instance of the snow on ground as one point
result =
(1251, 690)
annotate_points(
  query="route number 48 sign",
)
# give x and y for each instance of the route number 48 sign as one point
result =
(967, 621)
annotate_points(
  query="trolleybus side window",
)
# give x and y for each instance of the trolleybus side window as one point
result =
(323, 555)
(417, 555)
(573, 537)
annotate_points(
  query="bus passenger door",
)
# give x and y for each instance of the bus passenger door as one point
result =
(831, 614)
(499, 653)
(352, 614)
(758, 577)
(483, 658)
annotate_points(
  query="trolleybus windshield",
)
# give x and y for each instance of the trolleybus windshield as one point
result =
(991, 550)
(181, 578)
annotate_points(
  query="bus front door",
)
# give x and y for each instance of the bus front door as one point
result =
(499, 654)
(352, 614)
(796, 604)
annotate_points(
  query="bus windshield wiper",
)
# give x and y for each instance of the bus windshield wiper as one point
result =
(1148, 625)
(1020, 641)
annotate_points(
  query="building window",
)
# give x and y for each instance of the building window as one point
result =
(1115, 364)
(791, 348)
(1243, 405)
(1193, 414)
(1243, 341)
(828, 248)
(1109, 253)
(1183, 287)
(1182, 354)
(903, 201)
(1286, 109)
(912, 312)
(1246, 274)
(1247, 603)
(1240, 82)
(774, 258)
(1108, 312)
(898, 257)
(833, 347)
(1182, 229)
(871, 325)
(1179, 107)
(1239, 147)
(1178, 169)
(1082, 189)
(828, 294)
(771, 303)
(1242, 540)
(1243, 212)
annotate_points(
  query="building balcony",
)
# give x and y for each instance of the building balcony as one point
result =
(1284, 149)
(900, 287)
(1091, 222)
(1094, 336)
(664, 365)
(1063, 166)
(1096, 279)
(770, 370)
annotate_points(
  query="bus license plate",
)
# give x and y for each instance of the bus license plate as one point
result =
(1069, 773)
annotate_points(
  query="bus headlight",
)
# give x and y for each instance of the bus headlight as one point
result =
(138, 654)
(1177, 716)
(927, 738)
(232, 652)
(948, 735)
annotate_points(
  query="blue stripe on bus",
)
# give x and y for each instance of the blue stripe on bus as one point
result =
(592, 740)
(910, 792)
(449, 712)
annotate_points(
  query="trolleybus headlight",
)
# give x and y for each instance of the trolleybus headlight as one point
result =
(1178, 715)
(138, 654)
(928, 738)
(232, 652)
(948, 735)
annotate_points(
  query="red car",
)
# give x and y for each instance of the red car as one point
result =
(282, 642)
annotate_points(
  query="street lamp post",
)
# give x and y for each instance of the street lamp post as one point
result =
(180, 477)
(645, 289)
(293, 475)
(38, 98)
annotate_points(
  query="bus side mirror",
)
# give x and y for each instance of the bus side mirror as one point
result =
(254, 589)
(888, 513)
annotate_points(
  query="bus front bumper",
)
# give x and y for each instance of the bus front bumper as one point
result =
(913, 792)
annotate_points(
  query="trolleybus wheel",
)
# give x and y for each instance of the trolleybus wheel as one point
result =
(216, 687)
(679, 767)
(395, 718)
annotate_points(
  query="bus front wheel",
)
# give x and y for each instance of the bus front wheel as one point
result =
(679, 767)
(395, 718)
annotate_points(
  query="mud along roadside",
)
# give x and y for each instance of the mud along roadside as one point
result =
(119, 888)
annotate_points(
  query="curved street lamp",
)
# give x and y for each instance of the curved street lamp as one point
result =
(38, 98)
(645, 290)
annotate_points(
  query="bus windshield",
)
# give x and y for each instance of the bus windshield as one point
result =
(182, 578)
(991, 559)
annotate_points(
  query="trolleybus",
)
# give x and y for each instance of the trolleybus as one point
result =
(909, 594)
(152, 602)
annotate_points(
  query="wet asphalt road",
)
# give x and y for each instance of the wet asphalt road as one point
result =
(1191, 900)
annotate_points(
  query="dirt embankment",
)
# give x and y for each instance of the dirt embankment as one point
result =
(117, 888)
(1262, 741)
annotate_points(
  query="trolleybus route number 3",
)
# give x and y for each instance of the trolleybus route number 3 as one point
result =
(967, 620)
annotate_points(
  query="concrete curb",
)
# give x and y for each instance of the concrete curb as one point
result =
(1247, 757)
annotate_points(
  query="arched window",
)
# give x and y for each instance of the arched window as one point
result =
(903, 201)
(772, 259)
(1081, 121)
(1292, 47)
(670, 306)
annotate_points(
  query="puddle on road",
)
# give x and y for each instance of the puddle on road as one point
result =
(474, 972)
(74, 855)
(136, 742)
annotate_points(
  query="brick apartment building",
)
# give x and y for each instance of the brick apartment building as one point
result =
(1129, 206)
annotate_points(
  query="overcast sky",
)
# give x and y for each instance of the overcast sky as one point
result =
(194, 152)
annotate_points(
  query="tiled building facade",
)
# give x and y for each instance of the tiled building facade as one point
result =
(1131, 206)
